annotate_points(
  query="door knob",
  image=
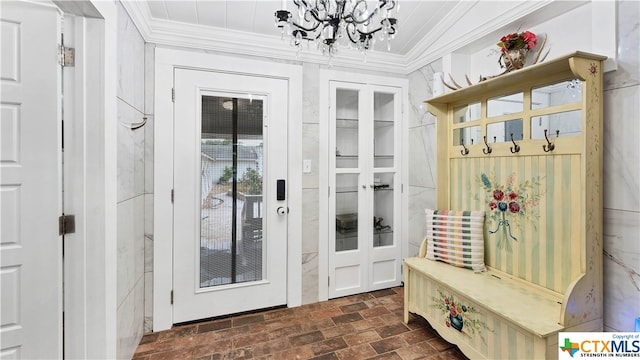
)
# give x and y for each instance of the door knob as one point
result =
(282, 210)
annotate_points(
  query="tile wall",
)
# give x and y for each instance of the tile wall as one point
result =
(132, 186)
(621, 170)
(621, 193)
(310, 192)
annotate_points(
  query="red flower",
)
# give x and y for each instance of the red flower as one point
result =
(453, 312)
(498, 194)
(493, 205)
(514, 207)
(507, 37)
(530, 39)
(513, 196)
(448, 324)
(524, 40)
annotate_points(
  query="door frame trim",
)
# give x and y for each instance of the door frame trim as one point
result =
(90, 299)
(166, 60)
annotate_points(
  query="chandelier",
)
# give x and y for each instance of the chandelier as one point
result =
(353, 23)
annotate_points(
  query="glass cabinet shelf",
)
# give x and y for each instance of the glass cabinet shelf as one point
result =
(352, 189)
(346, 189)
(382, 123)
(354, 234)
(355, 156)
(342, 123)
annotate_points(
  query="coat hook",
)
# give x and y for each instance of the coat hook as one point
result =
(465, 150)
(488, 150)
(515, 148)
(549, 146)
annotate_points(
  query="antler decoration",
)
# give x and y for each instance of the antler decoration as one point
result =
(536, 59)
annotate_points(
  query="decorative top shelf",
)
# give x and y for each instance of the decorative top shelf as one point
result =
(560, 67)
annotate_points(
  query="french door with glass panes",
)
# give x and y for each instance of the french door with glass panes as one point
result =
(364, 188)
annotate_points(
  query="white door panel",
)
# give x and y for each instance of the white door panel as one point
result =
(30, 248)
(219, 269)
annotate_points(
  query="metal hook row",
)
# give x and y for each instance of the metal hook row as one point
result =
(514, 149)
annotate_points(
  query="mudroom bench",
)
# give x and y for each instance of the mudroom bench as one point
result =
(496, 310)
(513, 255)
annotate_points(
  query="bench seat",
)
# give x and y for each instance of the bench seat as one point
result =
(530, 308)
(505, 310)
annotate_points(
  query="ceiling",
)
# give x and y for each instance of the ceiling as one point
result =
(415, 18)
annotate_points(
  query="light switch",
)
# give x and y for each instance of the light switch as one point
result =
(306, 166)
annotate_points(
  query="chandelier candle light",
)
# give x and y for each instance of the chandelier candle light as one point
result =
(330, 22)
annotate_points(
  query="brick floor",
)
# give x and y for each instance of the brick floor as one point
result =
(363, 326)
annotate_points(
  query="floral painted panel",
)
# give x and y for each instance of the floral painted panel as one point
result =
(460, 316)
(541, 200)
(509, 204)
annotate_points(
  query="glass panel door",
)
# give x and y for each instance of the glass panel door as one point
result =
(347, 128)
(383, 128)
(231, 222)
(346, 212)
(383, 209)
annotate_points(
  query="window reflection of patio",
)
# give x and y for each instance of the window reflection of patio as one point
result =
(216, 238)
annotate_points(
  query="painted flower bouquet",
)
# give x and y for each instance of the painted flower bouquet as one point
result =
(514, 48)
(459, 316)
(509, 201)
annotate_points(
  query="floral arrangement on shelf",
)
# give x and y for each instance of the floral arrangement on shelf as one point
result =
(514, 48)
(524, 40)
(510, 201)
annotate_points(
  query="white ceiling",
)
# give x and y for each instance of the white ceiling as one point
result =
(415, 18)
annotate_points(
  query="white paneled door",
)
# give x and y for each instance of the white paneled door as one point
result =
(30, 248)
(230, 198)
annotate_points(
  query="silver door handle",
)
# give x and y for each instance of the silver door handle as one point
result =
(281, 210)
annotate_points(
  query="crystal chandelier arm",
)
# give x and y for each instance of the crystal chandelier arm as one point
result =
(351, 19)
(310, 29)
(310, 10)
(354, 31)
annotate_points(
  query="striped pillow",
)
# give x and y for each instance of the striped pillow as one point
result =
(456, 238)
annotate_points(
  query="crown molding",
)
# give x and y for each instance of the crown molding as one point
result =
(140, 14)
(442, 40)
(202, 37)
(425, 52)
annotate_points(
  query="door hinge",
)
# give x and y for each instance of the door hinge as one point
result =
(171, 297)
(66, 224)
(173, 94)
(66, 56)
(328, 280)
(172, 196)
